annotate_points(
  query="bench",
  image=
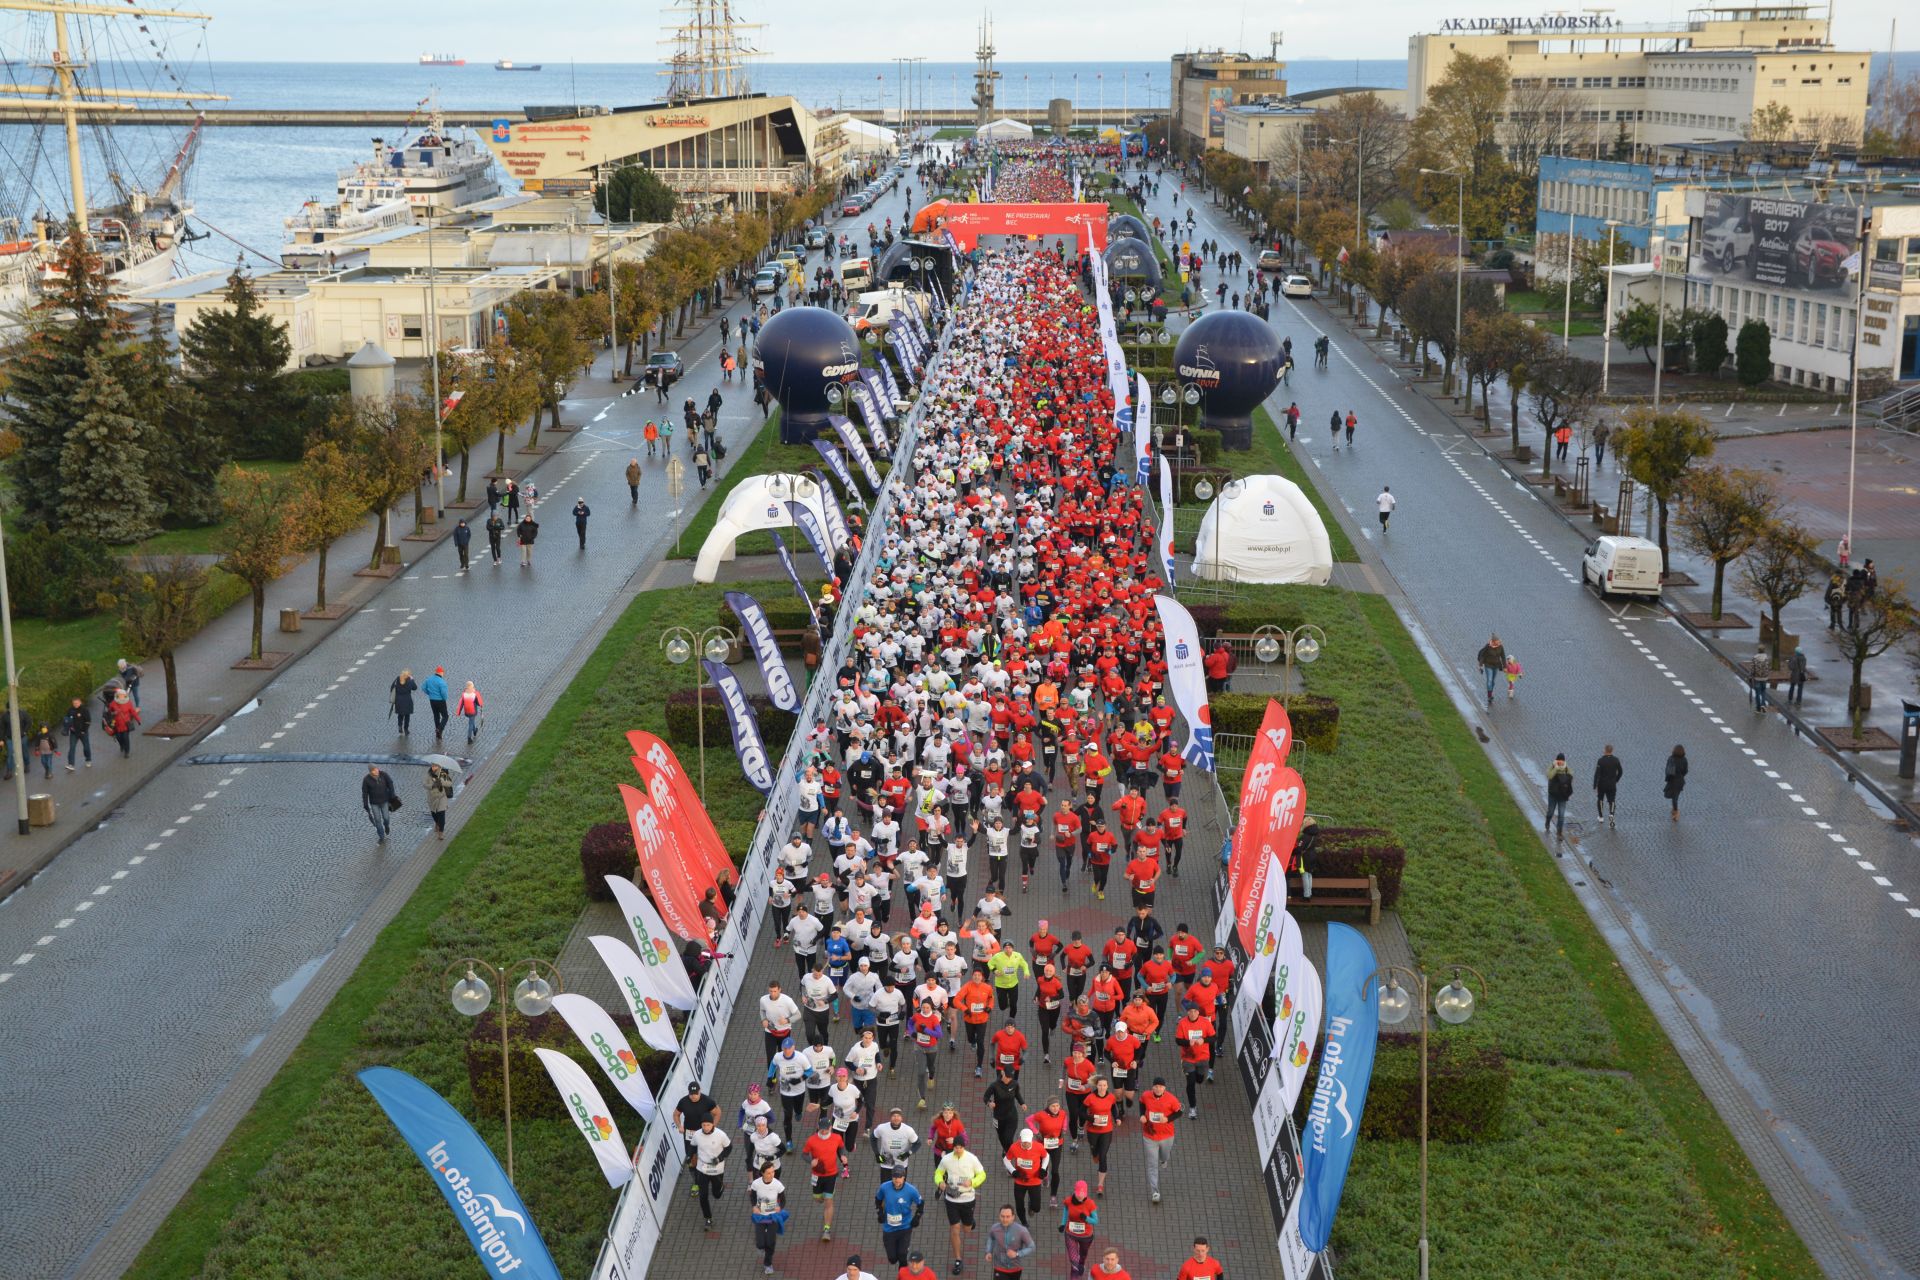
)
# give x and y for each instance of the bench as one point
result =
(806, 638)
(1358, 892)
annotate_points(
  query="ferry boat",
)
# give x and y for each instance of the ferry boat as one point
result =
(508, 64)
(318, 236)
(433, 174)
(442, 60)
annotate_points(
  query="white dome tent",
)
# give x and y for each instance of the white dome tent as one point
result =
(1006, 128)
(758, 502)
(1263, 529)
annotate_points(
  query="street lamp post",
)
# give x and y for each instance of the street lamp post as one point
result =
(1606, 321)
(532, 996)
(13, 694)
(1566, 311)
(714, 643)
(1459, 268)
(1453, 1004)
(1302, 644)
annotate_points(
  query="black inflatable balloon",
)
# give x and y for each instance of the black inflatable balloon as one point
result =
(809, 357)
(1122, 226)
(1233, 359)
(1132, 262)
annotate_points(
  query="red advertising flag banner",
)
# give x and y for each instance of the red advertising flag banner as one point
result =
(674, 794)
(1276, 824)
(664, 865)
(1270, 749)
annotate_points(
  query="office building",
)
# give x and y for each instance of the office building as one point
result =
(1205, 85)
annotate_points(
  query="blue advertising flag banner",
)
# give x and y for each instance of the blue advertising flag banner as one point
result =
(858, 448)
(1346, 1066)
(476, 1187)
(836, 519)
(793, 576)
(773, 669)
(831, 456)
(746, 731)
(879, 389)
(809, 522)
(892, 384)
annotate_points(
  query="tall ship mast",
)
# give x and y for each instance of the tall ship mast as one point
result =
(709, 51)
(86, 71)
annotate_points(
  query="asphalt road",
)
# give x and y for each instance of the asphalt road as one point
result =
(1779, 910)
(174, 936)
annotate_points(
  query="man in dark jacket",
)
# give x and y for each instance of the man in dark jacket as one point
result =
(496, 529)
(1493, 661)
(462, 539)
(528, 530)
(1606, 783)
(580, 513)
(1559, 791)
(376, 793)
(78, 725)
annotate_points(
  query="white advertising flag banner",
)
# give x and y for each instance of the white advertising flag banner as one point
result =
(1269, 1117)
(1274, 931)
(653, 942)
(1296, 1260)
(1166, 519)
(603, 1039)
(641, 990)
(590, 1116)
(1142, 428)
(1295, 1031)
(1187, 680)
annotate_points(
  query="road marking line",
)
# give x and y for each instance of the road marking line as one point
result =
(164, 835)
(153, 846)
(83, 906)
(135, 861)
(1836, 837)
(1882, 881)
(64, 923)
(198, 807)
(1898, 897)
(120, 875)
(44, 941)
(25, 958)
(184, 819)
(102, 889)
(1867, 866)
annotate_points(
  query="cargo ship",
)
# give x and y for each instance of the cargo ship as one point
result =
(508, 64)
(441, 60)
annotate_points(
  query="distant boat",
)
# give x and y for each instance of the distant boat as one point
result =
(441, 60)
(507, 64)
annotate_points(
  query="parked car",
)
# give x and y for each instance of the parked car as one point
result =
(767, 280)
(664, 369)
(850, 206)
(856, 274)
(1818, 257)
(1271, 260)
(816, 238)
(1624, 565)
(1296, 286)
(1727, 245)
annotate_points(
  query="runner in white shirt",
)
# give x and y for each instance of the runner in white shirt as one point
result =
(844, 1100)
(895, 1141)
(863, 1060)
(777, 1012)
(765, 1144)
(1386, 502)
(804, 932)
(766, 1196)
(707, 1149)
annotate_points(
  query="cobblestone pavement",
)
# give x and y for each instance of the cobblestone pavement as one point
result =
(1780, 912)
(1213, 1186)
(189, 921)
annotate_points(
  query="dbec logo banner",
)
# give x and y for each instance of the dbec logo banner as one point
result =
(1346, 1065)
(746, 732)
(475, 1186)
(601, 1037)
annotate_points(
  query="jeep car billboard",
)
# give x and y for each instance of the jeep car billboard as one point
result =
(1771, 241)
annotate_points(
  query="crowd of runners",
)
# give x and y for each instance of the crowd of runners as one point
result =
(1003, 697)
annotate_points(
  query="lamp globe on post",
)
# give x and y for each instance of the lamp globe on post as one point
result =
(678, 650)
(1453, 1003)
(533, 995)
(472, 995)
(1396, 1005)
(717, 648)
(1305, 648)
(1266, 649)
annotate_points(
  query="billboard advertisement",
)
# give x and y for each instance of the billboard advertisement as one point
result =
(1771, 241)
(1218, 100)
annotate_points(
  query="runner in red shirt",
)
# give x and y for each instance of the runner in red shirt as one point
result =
(1159, 1108)
(1049, 1125)
(1156, 982)
(1066, 835)
(1009, 1048)
(1121, 953)
(1050, 997)
(1202, 1265)
(1194, 1034)
(1076, 1081)
(1185, 951)
(824, 1151)
(1173, 831)
(1100, 846)
(1172, 766)
(1106, 997)
(1102, 1123)
(1027, 1161)
(1123, 1060)
(1143, 879)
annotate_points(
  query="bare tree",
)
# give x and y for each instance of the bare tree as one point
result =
(1544, 119)
(1564, 390)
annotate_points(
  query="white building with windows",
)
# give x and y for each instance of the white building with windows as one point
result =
(1658, 83)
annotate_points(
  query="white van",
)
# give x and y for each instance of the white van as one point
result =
(1624, 566)
(876, 310)
(856, 274)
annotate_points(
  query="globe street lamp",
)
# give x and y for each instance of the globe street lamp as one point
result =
(1203, 490)
(1454, 1004)
(715, 644)
(1302, 644)
(532, 996)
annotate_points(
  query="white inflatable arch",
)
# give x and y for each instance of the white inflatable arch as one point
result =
(758, 502)
(1268, 531)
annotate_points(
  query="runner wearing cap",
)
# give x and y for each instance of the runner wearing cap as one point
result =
(898, 1206)
(894, 1141)
(958, 1177)
(1027, 1160)
(1078, 1217)
(825, 1154)
(788, 1072)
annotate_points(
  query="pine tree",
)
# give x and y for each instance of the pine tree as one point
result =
(103, 491)
(236, 361)
(73, 321)
(184, 467)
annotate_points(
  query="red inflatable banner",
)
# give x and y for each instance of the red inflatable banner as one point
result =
(674, 794)
(1265, 779)
(1086, 223)
(1275, 826)
(664, 860)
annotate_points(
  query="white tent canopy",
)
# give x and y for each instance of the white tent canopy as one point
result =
(758, 502)
(866, 138)
(1266, 531)
(1004, 127)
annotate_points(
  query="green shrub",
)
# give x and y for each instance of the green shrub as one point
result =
(57, 575)
(1242, 619)
(1466, 1090)
(784, 613)
(1753, 353)
(1207, 442)
(533, 1094)
(48, 688)
(1352, 852)
(683, 728)
(606, 849)
(1315, 719)
(1710, 343)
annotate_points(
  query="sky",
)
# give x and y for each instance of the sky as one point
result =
(818, 31)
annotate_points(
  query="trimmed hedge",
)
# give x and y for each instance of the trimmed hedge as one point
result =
(1315, 719)
(1466, 1090)
(606, 849)
(683, 729)
(49, 688)
(533, 1094)
(1362, 851)
(57, 575)
(784, 613)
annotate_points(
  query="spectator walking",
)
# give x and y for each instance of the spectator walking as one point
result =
(1606, 784)
(78, 726)
(130, 677)
(1675, 774)
(462, 539)
(633, 474)
(119, 718)
(1796, 675)
(580, 513)
(496, 528)
(527, 530)
(439, 793)
(702, 464)
(435, 688)
(400, 703)
(1559, 791)
(1493, 662)
(45, 748)
(471, 705)
(378, 800)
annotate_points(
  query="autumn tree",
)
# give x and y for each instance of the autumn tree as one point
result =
(1779, 568)
(390, 443)
(1396, 270)
(1771, 123)
(544, 332)
(1893, 124)
(1563, 392)
(1497, 342)
(1723, 512)
(1657, 448)
(257, 535)
(1543, 119)
(328, 504)
(1458, 129)
(1874, 624)
(496, 390)
(634, 193)
(158, 600)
